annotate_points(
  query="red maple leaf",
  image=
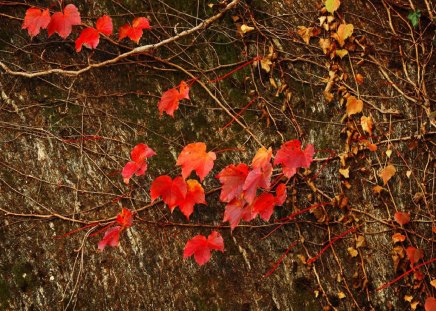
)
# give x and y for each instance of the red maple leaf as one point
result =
(200, 247)
(195, 158)
(139, 154)
(62, 22)
(125, 218)
(169, 101)
(111, 238)
(172, 191)
(414, 254)
(257, 178)
(430, 304)
(262, 158)
(232, 179)
(134, 32)
(194, 195)
(264, 205)
(291, 157)
(402, 218)
(237, 210)
(112, 235)
(35, 20)
(90, 37)
(281, 194)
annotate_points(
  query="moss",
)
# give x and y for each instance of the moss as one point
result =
(4, 295)
(23, 276)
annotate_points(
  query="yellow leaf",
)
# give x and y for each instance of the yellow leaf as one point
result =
(398, 237)
(265, 63)
(341, 53)
(387, 173)
(408, 298)
(408, 173)
(344, 32)
(245, 28)
(345, 172)
(332, 5)
(433, 283)
(353, 105)
(353, 252)
(360, 241)
(307, 32)
(388, 153)
(341, 295)
(325, 45)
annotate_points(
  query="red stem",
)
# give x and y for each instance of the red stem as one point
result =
(405, 273)
(103, 229)
(236, 69)
(74, 231)
(276, 265)
(330, 244)
(238, 114)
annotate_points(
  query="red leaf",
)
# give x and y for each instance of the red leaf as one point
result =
(237, 210)
(232, 179)
(430, 304)
(125, 218)
(111, 238)
(194, 195)
(104, 25)
(262, 158)
(291, 157)
(264, 205)
(139, 154)
(169, 101)
(402, 218)
(89, 37)
(62, 22)
(215, 241)
(134, 32)
(200, 247)
(195, 158)
(172, 191)
(257, 178)
(281, 194)
(414, 254)
(35, 19)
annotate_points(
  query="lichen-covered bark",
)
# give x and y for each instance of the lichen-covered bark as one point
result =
(64, 140)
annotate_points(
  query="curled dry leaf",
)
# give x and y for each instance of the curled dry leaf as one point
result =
(325, 45)
(367, 124)
(345, 172)
(353, 105)
(377, 189)
(353, 252)
(414, 254)
(398, 237)
(359, 78)
(307, 32)
(244, 29)
(341, 53)
(387, 173)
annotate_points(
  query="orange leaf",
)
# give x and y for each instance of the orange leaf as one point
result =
(194, 195)
(398, 237)
(291, 157)
(257, 178)
(430, 304)
(353, 105)
(387, 173)
(359, 78)
(367, 124)
(195, 158)
(135, 31)
(414, 254)
(344, 32)
(262, 158)
(125, 218)
(169, 101)
(307, 32)
(402, 218)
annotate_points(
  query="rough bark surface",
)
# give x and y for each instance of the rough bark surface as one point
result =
(64, 140)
